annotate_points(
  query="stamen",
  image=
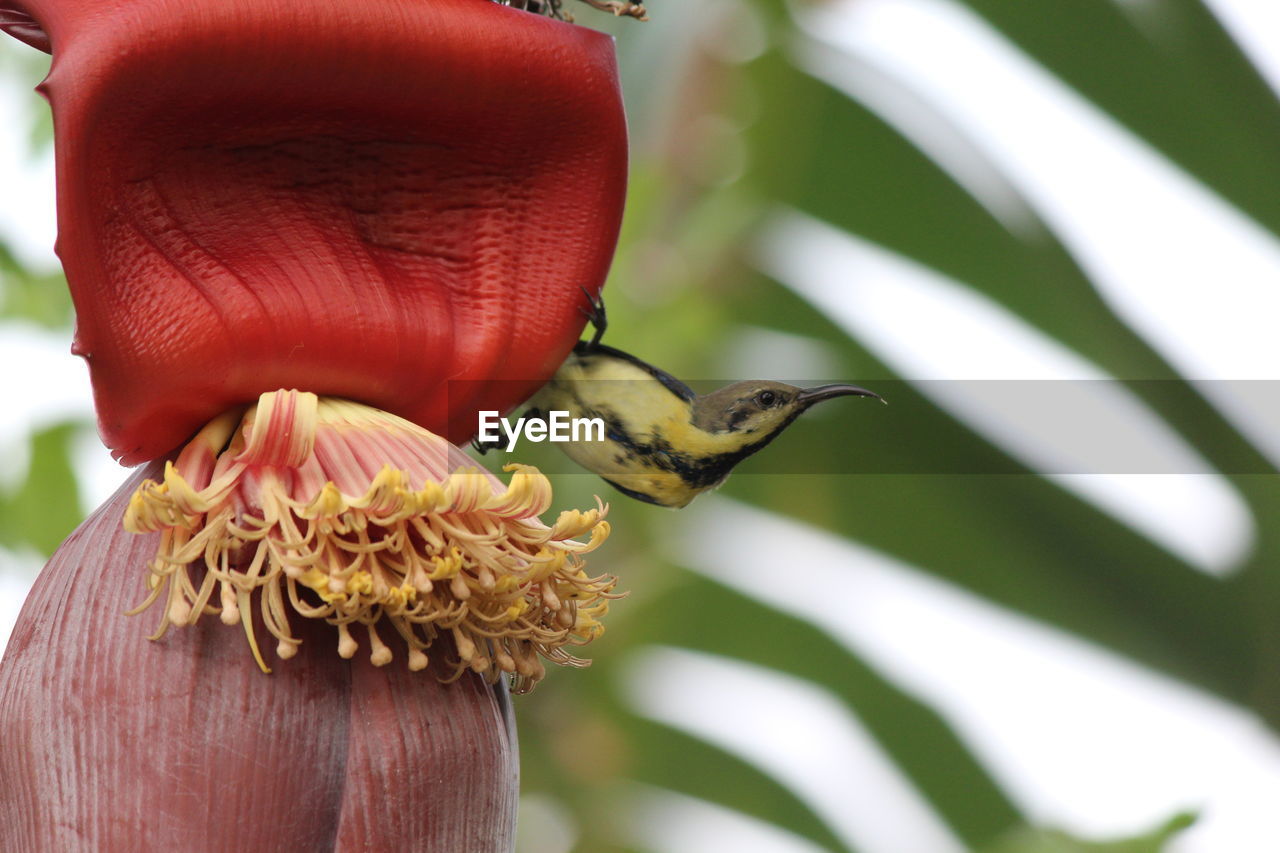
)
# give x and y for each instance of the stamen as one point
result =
(340, 512)
(381, 655)
(346, 643)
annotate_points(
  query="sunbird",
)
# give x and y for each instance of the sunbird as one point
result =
(663, 443)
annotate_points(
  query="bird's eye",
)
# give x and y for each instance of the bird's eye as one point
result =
(765, 399)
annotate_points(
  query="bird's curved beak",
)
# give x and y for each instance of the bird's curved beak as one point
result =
(826, 392)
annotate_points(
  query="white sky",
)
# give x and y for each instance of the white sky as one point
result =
(1080, 738)
(26, 197)
(953, 338)
(1255, 26)
(1172, 259)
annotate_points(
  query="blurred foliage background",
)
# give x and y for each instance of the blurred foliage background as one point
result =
(729, 126)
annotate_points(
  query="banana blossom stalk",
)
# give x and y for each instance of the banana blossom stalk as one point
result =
(394, 206)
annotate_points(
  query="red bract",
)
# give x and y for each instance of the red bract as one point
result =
(363, 199)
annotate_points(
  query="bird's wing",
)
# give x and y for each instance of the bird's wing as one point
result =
(675, 386)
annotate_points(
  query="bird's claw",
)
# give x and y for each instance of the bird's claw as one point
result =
(620, 8)
(595, 315)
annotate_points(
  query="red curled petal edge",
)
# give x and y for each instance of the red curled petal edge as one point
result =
(20, 25)
(394, 201)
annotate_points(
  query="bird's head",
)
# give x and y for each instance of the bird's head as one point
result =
(760, 409)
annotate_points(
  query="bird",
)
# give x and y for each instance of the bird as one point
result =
(663, 443)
